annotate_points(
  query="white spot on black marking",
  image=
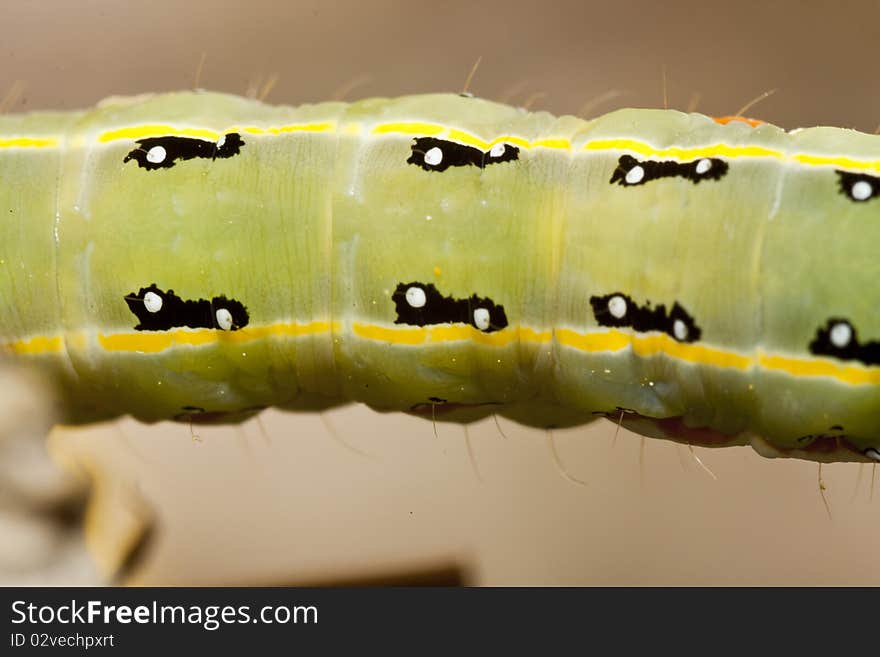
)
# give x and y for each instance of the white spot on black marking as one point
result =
(859, 187)
(679, 330)
(434, 154)
(619, 310)
(415, 297)
(162, 152)
(156, 155)
(617, 306)
(840, 334)
(152, 302)
(839, 339)
(481, 313)
(873, 453)
(631, 172)
(159, 310)
(635, 175)
(224, 319)
(482, 319)
(861, 190)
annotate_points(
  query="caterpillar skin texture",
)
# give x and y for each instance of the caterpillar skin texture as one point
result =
(201, 256)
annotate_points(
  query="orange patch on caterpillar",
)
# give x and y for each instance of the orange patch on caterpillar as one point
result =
(724, 120)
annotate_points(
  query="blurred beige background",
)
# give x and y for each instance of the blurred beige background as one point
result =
(288, 502)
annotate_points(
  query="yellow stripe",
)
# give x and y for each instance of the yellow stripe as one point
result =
(386, 334)
(466, 138)
(37, 345)
(409, 128)
(412, 335)
(839, 162)
(510, 139)
(651, 345)
(326, 126)
(155, 342)
(679, 153)
(603, 341)
(29, 142)
(527, 334)
(417, 128)
(724, 150)
(146, 131)
(560, 144)
(800, 367)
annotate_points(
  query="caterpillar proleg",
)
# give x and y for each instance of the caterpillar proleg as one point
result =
(201, 256)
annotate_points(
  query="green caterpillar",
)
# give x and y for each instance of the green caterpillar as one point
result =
(200, 256)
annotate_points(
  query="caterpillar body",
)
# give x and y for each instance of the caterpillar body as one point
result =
(199, 256)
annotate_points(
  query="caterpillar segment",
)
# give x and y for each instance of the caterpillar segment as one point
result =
(200, 257)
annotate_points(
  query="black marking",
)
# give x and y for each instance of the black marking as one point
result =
(184, 148)
(435, 404)
(454, 154)
(445, 310)
(654, 169)
(616, 414)
(509, 154)
(867, 353)
(848, 180)
(645, 318)
(176, 312)
(809, 439)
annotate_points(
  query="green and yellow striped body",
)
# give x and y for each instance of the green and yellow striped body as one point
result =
(326, 214)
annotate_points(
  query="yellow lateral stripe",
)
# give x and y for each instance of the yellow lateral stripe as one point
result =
(455, 134)
(527, 334)
(37, 345)
(29, 142)
(146, 131)
(681, 153)
(603, 341)
(510, 139)
(651, 345)
(326, 126)
(466, 138)
(409, 128)
(799, 367)
(148, 343)
(414, 335)
(724, 150)
(841, 162)
(557, 143)
(455, 332)
(386, 334)
(153, 342)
